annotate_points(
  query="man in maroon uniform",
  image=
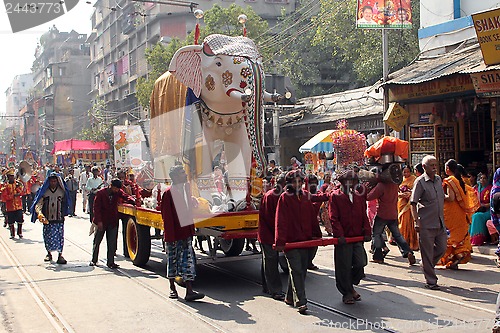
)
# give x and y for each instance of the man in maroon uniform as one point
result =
(106, 218)
(296, 221)
(347, 208)
(267, 214)
(176, 210)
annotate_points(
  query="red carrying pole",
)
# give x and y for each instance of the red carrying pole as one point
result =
(321, 242)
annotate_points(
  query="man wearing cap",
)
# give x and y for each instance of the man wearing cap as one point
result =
(295, 222)
(52, 203)
(347, 211)
(106, 219)
(177, 206)
(94, 184)
(11, 195)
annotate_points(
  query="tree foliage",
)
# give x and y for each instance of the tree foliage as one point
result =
(158, 58)
(216, 20)
(224, 21)
(101, 124)
(362, 48)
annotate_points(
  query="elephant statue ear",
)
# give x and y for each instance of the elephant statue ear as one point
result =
(186, 67)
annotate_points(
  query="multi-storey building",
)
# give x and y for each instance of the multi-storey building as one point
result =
(16, 96)
(445, 24)
(123, 30)
(59, 101)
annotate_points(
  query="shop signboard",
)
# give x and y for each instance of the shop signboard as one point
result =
(384, 14)
(487, 84)
(396, 117)
(128, 146)
(446, 85)
(487, 25)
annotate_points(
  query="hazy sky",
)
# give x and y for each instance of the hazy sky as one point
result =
(18, 51)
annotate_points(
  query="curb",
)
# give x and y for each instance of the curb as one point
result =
(484, 249)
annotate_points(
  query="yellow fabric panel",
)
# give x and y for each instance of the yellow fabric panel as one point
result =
(168, 95)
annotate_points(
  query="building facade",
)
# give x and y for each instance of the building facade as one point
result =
(16, 96)
(59, 100)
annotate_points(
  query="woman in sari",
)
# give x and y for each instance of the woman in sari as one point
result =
(405, 220)
(459, 204)
(478, 230)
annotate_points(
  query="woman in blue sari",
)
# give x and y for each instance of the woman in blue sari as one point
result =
(478, 230)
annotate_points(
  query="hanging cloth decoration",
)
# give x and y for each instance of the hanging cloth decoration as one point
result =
(199, 15)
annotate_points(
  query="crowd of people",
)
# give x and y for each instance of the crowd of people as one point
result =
(440, 217)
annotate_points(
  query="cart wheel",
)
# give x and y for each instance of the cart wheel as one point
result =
(138, 242)
(283, 263)
(232, 247)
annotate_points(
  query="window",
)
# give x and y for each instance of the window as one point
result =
(62, 71)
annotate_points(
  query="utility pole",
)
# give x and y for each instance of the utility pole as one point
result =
(276, 132)
(385, 74)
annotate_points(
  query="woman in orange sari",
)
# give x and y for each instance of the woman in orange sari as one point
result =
(405, 220)
(459, 205)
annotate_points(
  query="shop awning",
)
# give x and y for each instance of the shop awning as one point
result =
(87, 146)
(350, 104)
(321, 142)
(426, 68)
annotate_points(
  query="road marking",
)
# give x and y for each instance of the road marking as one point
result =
(54, 317)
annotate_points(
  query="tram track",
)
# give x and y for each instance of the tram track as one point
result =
(61, 325)
(48, 309)
(360, 321)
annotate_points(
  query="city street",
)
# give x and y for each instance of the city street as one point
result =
(36, 296)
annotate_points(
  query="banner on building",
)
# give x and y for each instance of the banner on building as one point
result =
(387, 14)
(487, 84)
(487, 25)
(128, 146)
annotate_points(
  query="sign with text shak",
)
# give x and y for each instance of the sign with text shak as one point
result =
(387, 14)
(487, 25)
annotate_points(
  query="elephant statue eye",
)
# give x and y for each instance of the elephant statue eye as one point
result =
(218, 63)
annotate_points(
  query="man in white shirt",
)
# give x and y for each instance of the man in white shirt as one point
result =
(94, 184)
(83, 186)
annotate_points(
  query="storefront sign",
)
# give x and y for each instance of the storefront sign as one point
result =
(367, 124)
(487, 25)
(487, 84)
(384, 14)
(396, 117)
(443, 86)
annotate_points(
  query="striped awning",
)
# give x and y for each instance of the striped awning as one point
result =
(321, 142)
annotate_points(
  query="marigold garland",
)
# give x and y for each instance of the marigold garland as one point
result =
(349, 145)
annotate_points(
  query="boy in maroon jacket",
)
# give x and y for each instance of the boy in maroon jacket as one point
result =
(267, 214)
(177, 205)
(106, 218)
(349, 219)
(296, 221)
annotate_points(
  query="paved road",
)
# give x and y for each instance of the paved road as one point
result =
(45, 297)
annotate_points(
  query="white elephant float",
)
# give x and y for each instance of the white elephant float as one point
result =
(227, 81)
